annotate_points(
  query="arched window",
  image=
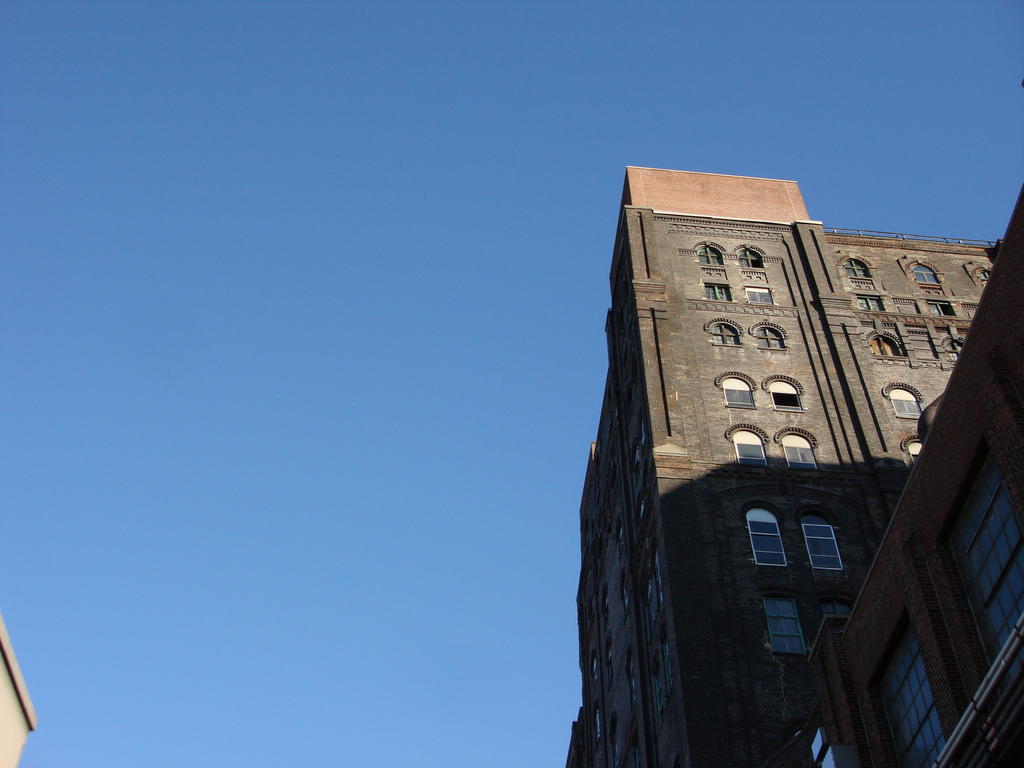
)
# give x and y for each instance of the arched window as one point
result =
(708, 255)
(914, 449)
(723, 333)
(953, 347)
(749, 448)
(749, 258)
(593, 665)
(597, 723)
(984, 274)
(885, 347)
(769, 338)
(784, 396)
(765, 540)
(799, 454)
(738, 393)
(923, 274)
(821, 543)
(856, 268)
(904, 403)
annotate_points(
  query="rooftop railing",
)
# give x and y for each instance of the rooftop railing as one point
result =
(902, 236)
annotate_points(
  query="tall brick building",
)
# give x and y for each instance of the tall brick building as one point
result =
(929, 667)
(759, 421)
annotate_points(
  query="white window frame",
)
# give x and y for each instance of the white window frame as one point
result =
(785, 388)
(739, 385)
(761, 515)
(894, 397)
(820, 522)
(798, 449)
(737, 442)
(765, 292)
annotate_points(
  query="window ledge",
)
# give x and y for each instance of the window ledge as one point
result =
(788, 409)
(738, 405)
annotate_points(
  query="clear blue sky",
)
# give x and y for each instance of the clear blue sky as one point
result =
(302, 334)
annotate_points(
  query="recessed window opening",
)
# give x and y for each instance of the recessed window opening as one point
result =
(717, 292)
(769, 338)
(721, 333)
(708, 255)
(856, 268)
(799, 454)
(884, 347)
(870, 303)
(910, 706)
(749, 448)
(835, 607)
(765, 540)
(749, 258)
(738, 393)
(988, 545)
(759, 296)
(784, 625)
(784, 396)
(904, 403)
(925, 275)
(821, 543)
(941, 308)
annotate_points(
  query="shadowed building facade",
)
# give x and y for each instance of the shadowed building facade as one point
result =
(759, 421)
(929, 667)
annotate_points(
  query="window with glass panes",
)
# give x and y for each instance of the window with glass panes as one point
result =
(835, 607)
(722, 333)
(738, 393)
(717, 292)
(942, 308)
(784, 625)
(987, 544)
(765, 540)
(910, 706)
(904, 403)
(708, 255)
(799, 453)
(870, 303)
(749, 448)
(749, 258)
(759, 296)
(821, 543)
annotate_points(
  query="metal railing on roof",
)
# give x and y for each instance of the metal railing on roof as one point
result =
(902, 236)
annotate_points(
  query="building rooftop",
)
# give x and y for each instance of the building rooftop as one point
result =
(712, 194)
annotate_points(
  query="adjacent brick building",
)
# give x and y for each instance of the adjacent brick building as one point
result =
(758, 426)
(929, 667)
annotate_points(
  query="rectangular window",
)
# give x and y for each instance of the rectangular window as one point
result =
(906, 409)
(717, 292)
(798, 457)
(750, 454)
(759, 296)
(741, 398)
(941, 308)
(786, 401)
(910, 707)
(784, 625)
(870, 303)
(987, 546)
